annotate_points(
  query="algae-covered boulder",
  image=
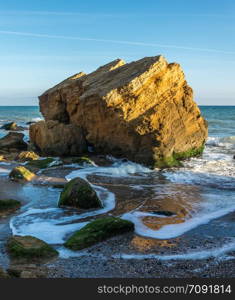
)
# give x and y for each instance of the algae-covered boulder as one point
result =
(21, 173)
(27, 156)
(79, 193)
(43, 163)
(98, 231)
(9, 204)
(29, 247)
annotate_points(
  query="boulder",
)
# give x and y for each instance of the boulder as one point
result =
(58, 139)
(14, 141)
(27, 156)
(12, 127)
(79, 193)
(143, 111)
(21, 173)
(98, 231)
(29, 247)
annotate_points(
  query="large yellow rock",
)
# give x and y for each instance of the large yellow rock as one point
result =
(143, 110)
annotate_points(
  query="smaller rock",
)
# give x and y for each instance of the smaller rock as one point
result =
(29, 247)
(79, 193)
(12, 126)
(13, 141)
(233, 156)
(21, 173)
(27, 156)
(98, 231)
(9, 204)
(43, 163)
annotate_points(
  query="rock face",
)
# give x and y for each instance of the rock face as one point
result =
(54, 138)
(143, 110)
(13, 142)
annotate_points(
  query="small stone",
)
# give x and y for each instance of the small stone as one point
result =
(21, 173)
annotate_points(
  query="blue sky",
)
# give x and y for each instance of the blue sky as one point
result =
(43, 42)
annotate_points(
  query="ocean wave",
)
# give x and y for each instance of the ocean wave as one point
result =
(226, 142)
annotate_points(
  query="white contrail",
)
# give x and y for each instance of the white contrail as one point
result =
(40, 35)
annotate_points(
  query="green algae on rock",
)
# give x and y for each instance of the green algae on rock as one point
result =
(79, 193)
(43, 163)
(98, 231)
(9, 204)
(29, 247)
(176, 158)
(21, 173)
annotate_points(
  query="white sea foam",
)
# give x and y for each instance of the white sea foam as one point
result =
(4, 172)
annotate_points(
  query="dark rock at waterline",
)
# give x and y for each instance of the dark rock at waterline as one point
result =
(233, 156)
(79, 193)
(12, 126)
(98, 231)
(163, 213)
(14, 141)
(29, 247)
(9, 204)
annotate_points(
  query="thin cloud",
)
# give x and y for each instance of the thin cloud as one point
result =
(64, 37)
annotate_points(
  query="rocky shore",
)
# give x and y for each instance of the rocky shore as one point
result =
(70, 194)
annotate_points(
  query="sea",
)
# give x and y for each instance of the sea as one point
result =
(205, 186)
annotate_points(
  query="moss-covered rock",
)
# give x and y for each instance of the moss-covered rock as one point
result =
(79, 193)
(21, 173)
(29, 247)
(9, 204)
(27, 156)
(43, 163)
(177, 157)
(98, 231)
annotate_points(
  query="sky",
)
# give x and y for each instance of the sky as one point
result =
(43, 42)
